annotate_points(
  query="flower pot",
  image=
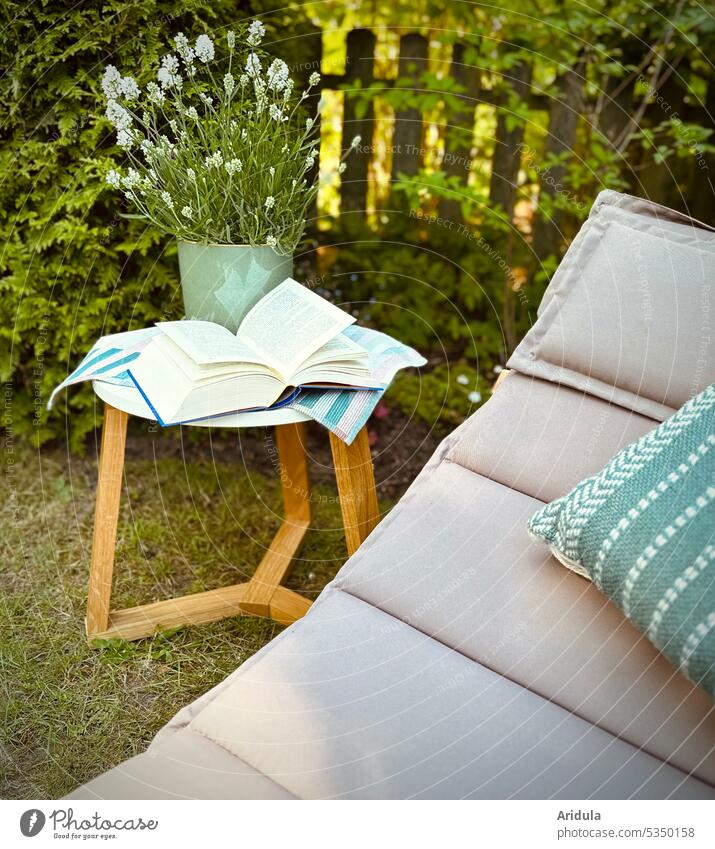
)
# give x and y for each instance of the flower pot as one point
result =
(222, 282)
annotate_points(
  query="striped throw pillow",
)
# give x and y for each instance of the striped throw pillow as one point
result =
(643, 530)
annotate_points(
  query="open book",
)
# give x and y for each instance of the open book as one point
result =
(291, 337)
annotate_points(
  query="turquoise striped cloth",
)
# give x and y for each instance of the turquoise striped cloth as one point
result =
(345, 411)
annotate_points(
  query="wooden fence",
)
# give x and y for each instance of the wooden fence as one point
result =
(458, 131)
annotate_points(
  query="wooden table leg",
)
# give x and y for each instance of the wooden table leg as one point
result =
(109, 489)
(293, 469)
(356, 488)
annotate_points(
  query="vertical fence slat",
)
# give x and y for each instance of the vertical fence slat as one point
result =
(459, 129)
(407, 138)
(503, 182)
(359, 61)
(563, 121)
(507, 155)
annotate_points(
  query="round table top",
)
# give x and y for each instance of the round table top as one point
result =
(129, 400)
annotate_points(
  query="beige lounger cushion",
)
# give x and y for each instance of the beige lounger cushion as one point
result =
(628, 313)
(182, 765)
(353, 703)
(542, 439)
(457, 563)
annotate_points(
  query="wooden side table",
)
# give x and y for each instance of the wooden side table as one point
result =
(263, 594)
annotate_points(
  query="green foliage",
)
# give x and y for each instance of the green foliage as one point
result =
(443, 397)
(433, 282)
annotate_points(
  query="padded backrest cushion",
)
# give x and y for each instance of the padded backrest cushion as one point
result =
(629, 315)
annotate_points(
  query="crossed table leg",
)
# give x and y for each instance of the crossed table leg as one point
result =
(263, 594)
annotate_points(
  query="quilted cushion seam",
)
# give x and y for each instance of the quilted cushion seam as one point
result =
(529, 689)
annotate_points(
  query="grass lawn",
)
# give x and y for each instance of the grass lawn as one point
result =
(190, 520)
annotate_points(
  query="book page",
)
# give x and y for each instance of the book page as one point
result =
(207, 343)
(289, 324)
(339, 348)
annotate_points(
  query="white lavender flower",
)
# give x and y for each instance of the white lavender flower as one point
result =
(256, 31)
(170, 62)
(192, 113)
(243, 80)
(309, 160)
(462, 380)
(271, 241)
(272, 171)
(309, 123)
(233, 166)
(169, 72)
(168, 200)
(132, 180)
(314, 79)
(215, 160)
(270, 202)
(187, 211)
(191, 174)
(125, 139)
(205, 98)
(244, 134)
(284, 149)
(253, 66)
(111, 82)
(204, 48)
(184, 49)
(118, 115)
(341, 168)
(475, 397)
(277, 75)
(275, 112)
(166, 145)
(114, 179)
(356, 141)
(167, 79)
(129, 88)
(231, 39)
(155, 94)
(229, 83)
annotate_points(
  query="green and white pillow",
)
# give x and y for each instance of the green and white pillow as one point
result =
(643, 530)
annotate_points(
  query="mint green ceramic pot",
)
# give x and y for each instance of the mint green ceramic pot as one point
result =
(222, 282)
